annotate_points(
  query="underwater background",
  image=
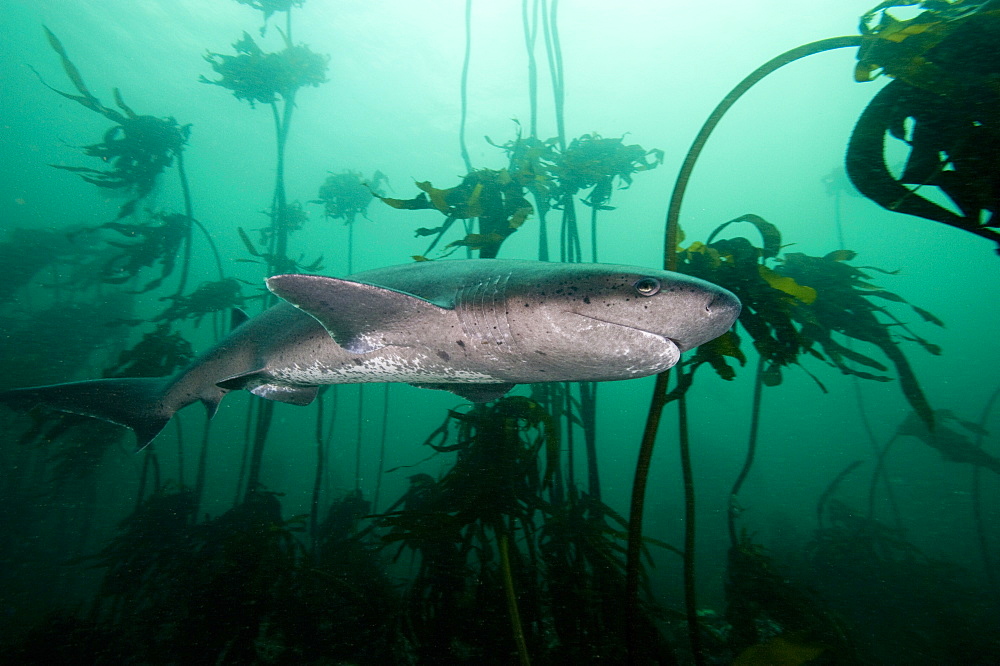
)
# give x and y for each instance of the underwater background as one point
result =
(391, 524)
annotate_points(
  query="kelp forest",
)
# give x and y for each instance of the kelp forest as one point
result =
(816, 486)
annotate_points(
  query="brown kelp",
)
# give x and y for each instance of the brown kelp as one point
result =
(792, 311)
(346, 195)
(802, 306)
(595, 163)
(514, 555)
(260, 77)
(497, 198)
(494, 197)
(159, 242)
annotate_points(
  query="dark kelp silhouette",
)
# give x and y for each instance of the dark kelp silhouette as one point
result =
(256, 76)
(241, 588)
(794, 310)
(529, 551)
(872, 575)
(941, 105)
(952, 436)
(138, 147)
(279, 263)
(346, 195)
(801, 306)
(159, 243)
(269, 7)
(209, 298)
(775, 620)
(159, 353)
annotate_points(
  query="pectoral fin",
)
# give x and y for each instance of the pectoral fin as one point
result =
(359, 317)
(472, 392)
(293, 395)
(262, 385)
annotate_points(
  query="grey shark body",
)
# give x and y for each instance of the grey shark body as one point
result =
(473, 327)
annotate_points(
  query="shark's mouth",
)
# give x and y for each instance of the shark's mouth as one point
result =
(634, 328)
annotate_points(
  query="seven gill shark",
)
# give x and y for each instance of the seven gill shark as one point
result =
(473, 327)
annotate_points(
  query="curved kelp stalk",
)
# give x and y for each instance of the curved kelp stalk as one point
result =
(687, 167)
(941, 106)
(189, 212)
(465, 87)
(659, 399)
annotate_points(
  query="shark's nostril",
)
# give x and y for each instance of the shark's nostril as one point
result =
(722, 304)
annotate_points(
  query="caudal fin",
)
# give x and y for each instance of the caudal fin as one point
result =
(135, 403)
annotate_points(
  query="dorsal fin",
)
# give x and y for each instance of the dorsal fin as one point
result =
(237, 318)
(359, 317)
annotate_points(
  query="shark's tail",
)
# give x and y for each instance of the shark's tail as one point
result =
(137, 403)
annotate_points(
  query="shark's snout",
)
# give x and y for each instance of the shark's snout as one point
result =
(724, 304)
(720, 312)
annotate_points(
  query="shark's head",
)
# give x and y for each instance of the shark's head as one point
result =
(624, 321)
(683, 309)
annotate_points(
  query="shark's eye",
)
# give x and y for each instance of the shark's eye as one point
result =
(647, 286)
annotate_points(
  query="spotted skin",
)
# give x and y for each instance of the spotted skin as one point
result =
(475, 327)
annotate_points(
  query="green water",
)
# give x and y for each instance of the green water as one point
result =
(648, 72)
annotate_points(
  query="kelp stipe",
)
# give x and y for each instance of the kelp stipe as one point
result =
(267, 78)
(672, 233)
